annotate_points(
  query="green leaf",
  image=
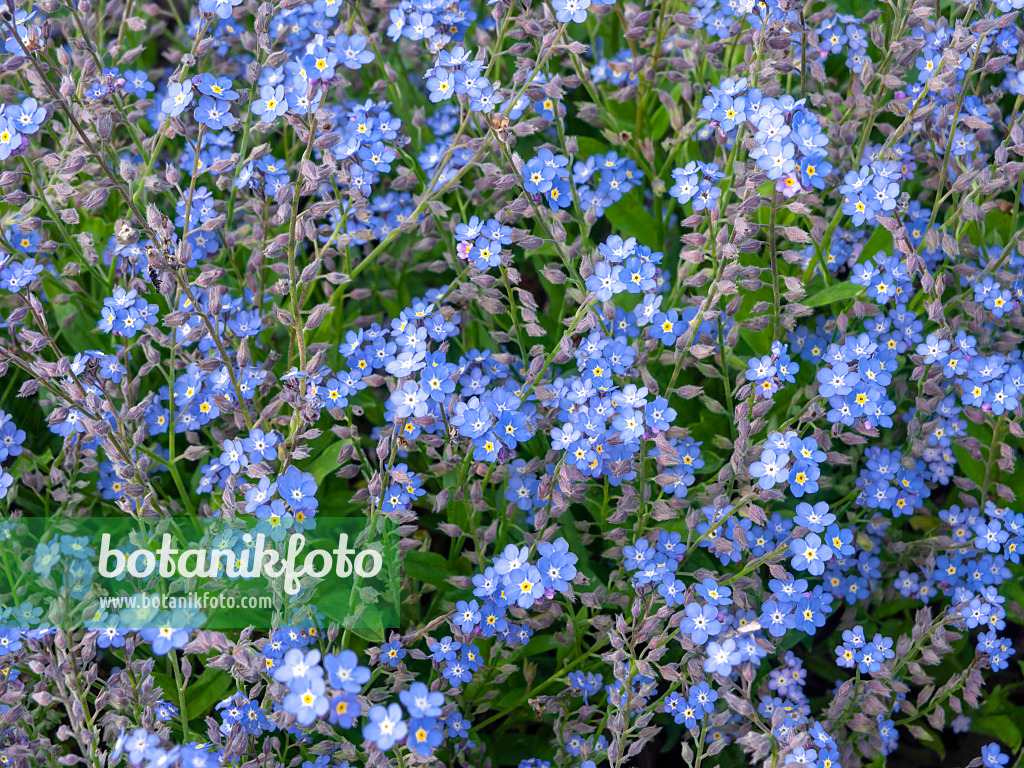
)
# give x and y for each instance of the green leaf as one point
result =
(1001, 727)
(892, 607)
(1000, 223)
(572, 535)
(545, 644)
(588, 146)
(631, 220)
(326, 462)
(973, 468)
(209, 688)
(370, 625)
(834, 293)
(428, 567)
(880, 240)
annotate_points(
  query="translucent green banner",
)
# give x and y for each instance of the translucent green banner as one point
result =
(215, 573)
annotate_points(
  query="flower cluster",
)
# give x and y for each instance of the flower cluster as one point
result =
(664, 351)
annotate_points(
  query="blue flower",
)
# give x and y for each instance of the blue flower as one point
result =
(47, 555)
(467, 615)
(700, 622)
(27, 117)
(629, 424)
(344, 672)
(271, 104)
(605, 281)
(377, 157)
(933, 349)
(840, 541)
(135, 745)
(424, 735)
(421, 702)
(297, 666)
(136, 83)
(570, 10)
(440, 85)
(810, 554)
(298, 489)
(444, 649)
(214, 114)
(557, 565)
(386, 726)
(392, 653)
(777, 617)
(713, 593)
(807, 449)
(222, 8)
(179, 96)
(169, 635)
(344, 710)
(993, 757)
(18, 275)
(351, 51)
(525, 586)
(770, 469)
(456, 672)
(703, 697)
(306, 699)
(721, 658)
(803, 478)
(667, 327)
(409, 400)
